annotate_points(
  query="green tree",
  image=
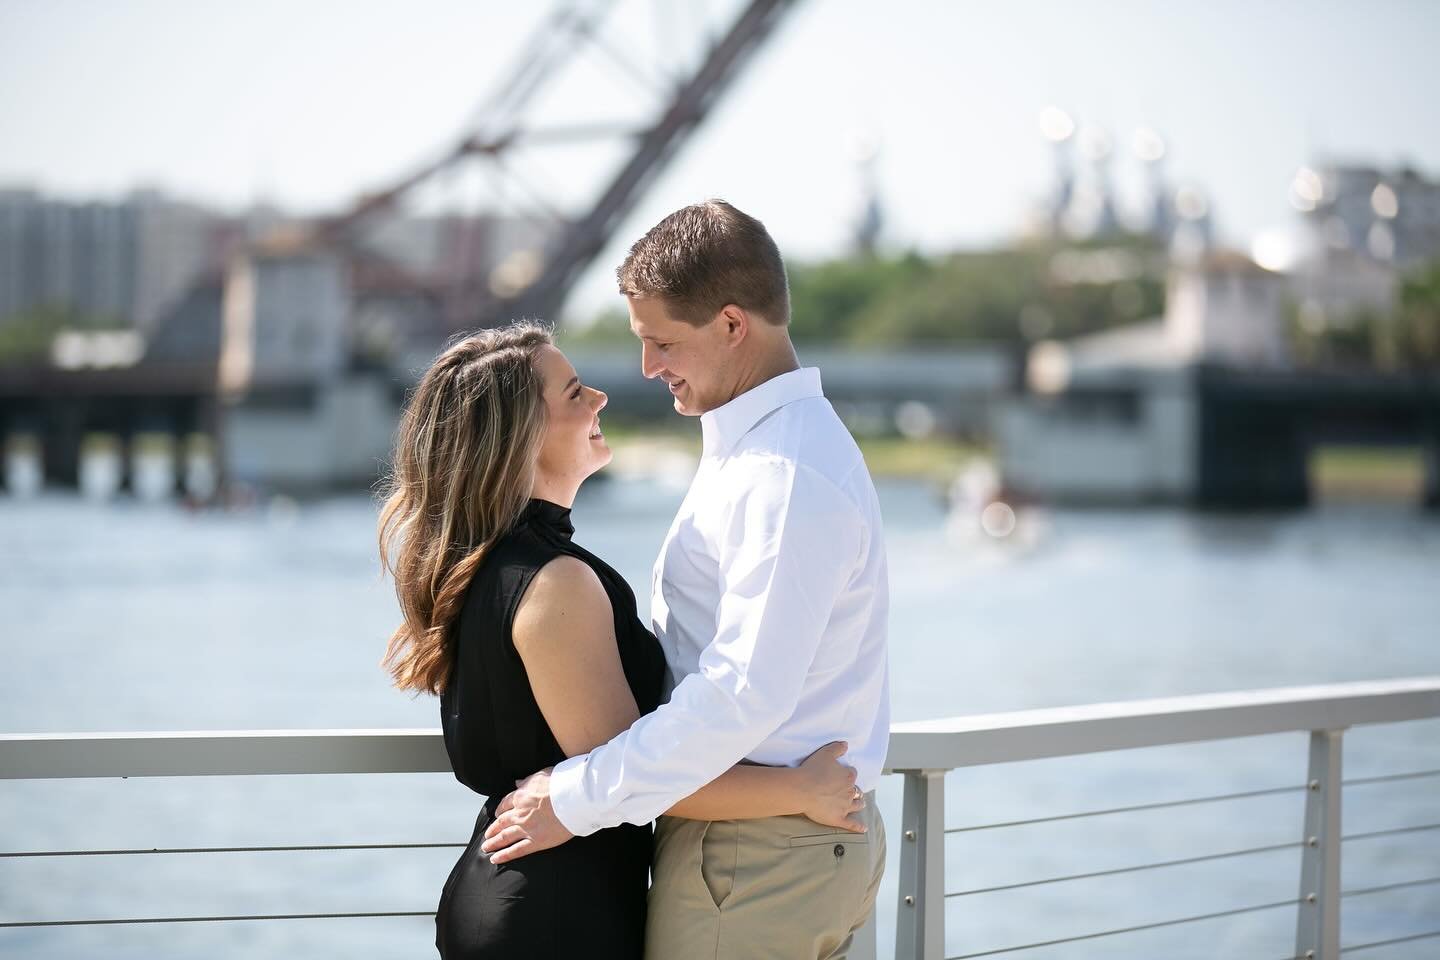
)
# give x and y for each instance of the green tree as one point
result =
(25, 337)
(1417, 320)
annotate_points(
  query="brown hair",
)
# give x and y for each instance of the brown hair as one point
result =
(704, 256)
(464, 466)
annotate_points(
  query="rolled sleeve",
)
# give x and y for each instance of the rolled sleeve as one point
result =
(790, 545)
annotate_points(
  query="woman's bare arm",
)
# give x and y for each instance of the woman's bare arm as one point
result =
(564, 632)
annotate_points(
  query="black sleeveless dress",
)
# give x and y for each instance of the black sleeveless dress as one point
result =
(586, 897)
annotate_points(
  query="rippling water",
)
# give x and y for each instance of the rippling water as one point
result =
(137, 618)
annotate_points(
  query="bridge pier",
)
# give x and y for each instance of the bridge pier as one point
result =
(104, 431)
(1430, 449)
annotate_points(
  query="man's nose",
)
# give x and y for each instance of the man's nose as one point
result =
(649, 364)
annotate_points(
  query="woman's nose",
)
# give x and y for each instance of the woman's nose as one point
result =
(600, 400)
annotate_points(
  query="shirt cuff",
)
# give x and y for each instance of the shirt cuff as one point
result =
(567, 796)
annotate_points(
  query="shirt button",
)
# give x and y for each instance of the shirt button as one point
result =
(839, 849)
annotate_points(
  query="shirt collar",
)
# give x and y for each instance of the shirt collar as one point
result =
(722, 428)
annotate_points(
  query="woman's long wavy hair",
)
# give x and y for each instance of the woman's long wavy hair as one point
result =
(464, 466)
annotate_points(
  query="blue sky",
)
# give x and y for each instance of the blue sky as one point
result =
(308, 104)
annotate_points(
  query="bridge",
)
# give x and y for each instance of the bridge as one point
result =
(1257, 429)
(1208, 435)
(59, 408)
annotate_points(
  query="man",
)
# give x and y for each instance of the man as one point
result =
(770, 600)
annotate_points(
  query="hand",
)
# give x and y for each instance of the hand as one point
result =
(525, 823)
(829, 787)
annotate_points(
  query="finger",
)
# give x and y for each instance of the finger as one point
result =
(506, 804)
(834, 750)
(502, 839)
(514, 852)
(500, 823)
(854, 825)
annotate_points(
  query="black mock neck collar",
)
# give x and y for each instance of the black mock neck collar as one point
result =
(550, 516)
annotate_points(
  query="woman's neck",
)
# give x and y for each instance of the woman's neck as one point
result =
(556, 491)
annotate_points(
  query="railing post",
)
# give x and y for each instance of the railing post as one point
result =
(920, 913)
(1317, 931)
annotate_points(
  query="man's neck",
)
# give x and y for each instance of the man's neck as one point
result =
(772, 363)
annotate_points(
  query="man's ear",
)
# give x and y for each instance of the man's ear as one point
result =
(736, 324)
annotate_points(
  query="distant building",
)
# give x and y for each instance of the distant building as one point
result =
(1392, 216)
(284, 320)
(1368, 228)
(1114, 417)
(1226, 308)
(122, 263)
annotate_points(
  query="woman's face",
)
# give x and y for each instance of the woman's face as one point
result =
(573, 447)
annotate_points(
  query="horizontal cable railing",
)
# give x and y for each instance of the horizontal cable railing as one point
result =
(1118, 871)
(921, 752)
(1401, 885)
(1412, 938)
(1161, 805)
(1392, 777)
(1137, 928)
(268, 849)
(1393, 831)
(218, 919)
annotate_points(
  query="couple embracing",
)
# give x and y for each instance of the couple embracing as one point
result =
(749, 721)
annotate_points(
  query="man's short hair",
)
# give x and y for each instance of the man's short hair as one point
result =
(701, 258)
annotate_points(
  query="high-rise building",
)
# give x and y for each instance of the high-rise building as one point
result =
(112, 263)
(1392, 216)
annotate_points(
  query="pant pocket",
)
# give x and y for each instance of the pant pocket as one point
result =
(719, 859)
(819, 839)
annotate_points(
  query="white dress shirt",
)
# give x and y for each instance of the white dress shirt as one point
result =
(770, 599)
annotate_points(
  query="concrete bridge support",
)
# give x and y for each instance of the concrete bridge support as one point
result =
(1431, 456)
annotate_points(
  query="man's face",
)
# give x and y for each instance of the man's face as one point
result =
(693, 361)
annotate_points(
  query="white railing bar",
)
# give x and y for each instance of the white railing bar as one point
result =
(156, 850)
(1404, 884)
(1068, 731)
(933, 744)
(1134, 929)
(1119, 870)
(1385, 943)
(1371, 834)
(256, 916)
(1161, 805)
(1391, 777)
(221, 753)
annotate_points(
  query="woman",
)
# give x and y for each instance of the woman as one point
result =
(534, 646)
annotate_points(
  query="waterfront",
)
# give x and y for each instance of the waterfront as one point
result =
(147, 618)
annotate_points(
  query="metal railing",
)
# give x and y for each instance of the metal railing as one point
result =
(922, 753)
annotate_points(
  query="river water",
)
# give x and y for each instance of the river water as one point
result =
(130, 617)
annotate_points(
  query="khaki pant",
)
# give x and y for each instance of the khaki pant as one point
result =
(785, 888)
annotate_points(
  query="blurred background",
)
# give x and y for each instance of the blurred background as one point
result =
(1133, 307)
